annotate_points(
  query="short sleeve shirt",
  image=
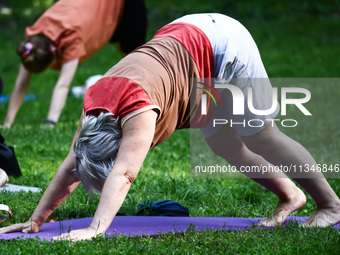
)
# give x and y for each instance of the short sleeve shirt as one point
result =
(118, 95)
(164, 70)
(78, 28)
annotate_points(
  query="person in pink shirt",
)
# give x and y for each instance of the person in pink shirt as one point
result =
(66, 35)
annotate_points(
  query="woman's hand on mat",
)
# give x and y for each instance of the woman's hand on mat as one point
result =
(78, 235)
(27, 227)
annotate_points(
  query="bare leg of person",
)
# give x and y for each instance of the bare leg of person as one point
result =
(229, 145)
(279, 149)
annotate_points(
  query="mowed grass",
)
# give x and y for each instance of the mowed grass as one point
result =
(295, 41)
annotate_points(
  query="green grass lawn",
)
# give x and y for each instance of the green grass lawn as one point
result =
(295, 41)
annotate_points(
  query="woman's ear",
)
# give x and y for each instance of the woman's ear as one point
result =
(54, 52)
(53, 48)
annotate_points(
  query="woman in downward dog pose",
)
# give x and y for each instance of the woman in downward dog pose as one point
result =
(66, 35)
(152, 92)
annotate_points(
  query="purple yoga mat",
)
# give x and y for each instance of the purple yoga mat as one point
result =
(146, 225)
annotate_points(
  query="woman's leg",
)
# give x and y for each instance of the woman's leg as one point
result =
(279, 149)
(228, 144)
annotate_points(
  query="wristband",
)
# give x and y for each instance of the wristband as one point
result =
(50, 122)
(8, 212)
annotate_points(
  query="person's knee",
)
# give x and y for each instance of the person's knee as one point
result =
(232, 151)
(263, 142)
(237, 157)
(228, 145)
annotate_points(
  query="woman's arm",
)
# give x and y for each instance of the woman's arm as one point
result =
(138, 133)
(61, 89)
(18, 94)
(62, 185)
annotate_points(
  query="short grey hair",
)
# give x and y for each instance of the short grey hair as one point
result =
(96, 150)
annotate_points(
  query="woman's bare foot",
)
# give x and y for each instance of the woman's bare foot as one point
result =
(324, 216)
(3, 177)
(282, 211)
